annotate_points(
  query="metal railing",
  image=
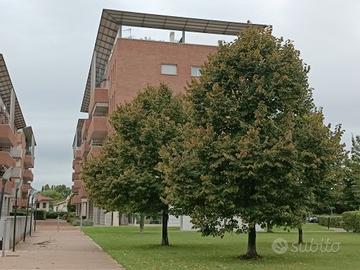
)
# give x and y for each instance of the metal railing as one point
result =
(7, 228)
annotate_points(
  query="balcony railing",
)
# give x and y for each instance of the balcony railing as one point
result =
(75, 176)
(98, 129)
(77, 154)
(7, 135)
(29, 161)
(77, 166)
(95, 150)
(27, 175)
(84, 149)
(6, 159)
(99, 102)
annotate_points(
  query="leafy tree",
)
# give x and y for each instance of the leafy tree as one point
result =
(45, 187)
(53, 194)
(320, 157)
(126, 175)
(351, 186)
(56, 192)
(241, 156)
(62, 189)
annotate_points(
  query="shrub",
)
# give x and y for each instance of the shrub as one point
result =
(52, 215)
(69, 216)
(18, 214)
(40, 214)
(351, 221)
(85, 222)
(335, 221)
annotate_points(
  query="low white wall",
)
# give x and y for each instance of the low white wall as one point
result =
(20, 227)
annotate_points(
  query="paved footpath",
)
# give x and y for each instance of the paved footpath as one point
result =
(65, 249)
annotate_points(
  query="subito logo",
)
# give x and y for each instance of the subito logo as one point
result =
(279, 246)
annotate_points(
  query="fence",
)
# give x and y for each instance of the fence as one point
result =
(7, 227)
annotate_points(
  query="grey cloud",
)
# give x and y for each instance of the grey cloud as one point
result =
(48, 44)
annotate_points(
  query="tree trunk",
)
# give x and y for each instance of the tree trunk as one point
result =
(269, 227)
(251, 249)
(165, 219)
(301, 239)
(142, 222)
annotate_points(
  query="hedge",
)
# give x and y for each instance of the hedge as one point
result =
(351, 221)
(335, 221)
(52, 215)
(85, 222)
(40, 214)
(69, 216)
(18, 214)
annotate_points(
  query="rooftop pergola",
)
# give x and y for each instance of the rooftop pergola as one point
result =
(110, 28)
(77, 137)
(6, 87)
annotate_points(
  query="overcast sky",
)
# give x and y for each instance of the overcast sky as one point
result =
(47, 45)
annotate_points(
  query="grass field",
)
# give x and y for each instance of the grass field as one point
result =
(189, 250)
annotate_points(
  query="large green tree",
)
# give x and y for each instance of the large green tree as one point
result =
(241, 156)
(350, 199)
(320, 155)
(125, 176)
(56, 192)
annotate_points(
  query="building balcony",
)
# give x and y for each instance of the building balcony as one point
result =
(22, 203)
(95, 150)
(84, 149)
(77, 154)
(76, 176)
(9, 187)
(85, 128)
(29, 161)
(99, 102)
(75, 199)
(82, 192)
(7, 135)
(27, 175)
(76, 165)
(98, 129)
(6, 159)
(25, 187)
(75, 189)
(76, 186)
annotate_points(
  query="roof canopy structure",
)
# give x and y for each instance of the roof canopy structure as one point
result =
(6, 87)
(77, 137)
(29, 136)
(112, 19)
(42, 198)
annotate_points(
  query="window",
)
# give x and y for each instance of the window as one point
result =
(195, 71)
(44, 205)
(168, 69)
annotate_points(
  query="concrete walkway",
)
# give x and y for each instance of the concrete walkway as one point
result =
(49, 249)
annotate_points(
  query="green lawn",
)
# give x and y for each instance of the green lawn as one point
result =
(189, 250)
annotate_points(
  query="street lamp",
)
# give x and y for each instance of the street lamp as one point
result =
(32, 212)
(30, 192)
(17, 186)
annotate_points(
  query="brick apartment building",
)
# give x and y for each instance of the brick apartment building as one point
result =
(121, 67)
(17, 144)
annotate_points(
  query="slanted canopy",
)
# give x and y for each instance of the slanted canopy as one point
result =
(112, 19)
(6, 87)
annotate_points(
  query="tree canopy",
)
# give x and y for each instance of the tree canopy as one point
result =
(244, 155)
(125, 176)
(56, 192)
